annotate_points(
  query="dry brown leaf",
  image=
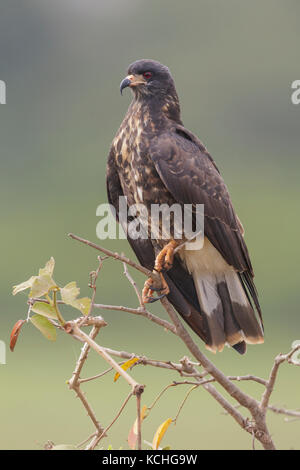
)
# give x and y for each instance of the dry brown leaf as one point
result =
(15, 333)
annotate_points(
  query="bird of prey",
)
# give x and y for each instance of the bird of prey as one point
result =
(154, 159)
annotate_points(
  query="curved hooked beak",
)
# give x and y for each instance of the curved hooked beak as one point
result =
(125, 83)
(131, 80)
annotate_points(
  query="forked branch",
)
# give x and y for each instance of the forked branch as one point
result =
(209, 373)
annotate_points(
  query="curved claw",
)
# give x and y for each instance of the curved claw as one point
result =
(157, 289)
(147, 294)
(154, 299)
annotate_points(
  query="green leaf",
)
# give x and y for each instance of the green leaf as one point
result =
(24, 285)
(70, 292)
(49, 267)
(45, 326)
(46, 310)
(83, 305)
(42, 285)
(69, 295)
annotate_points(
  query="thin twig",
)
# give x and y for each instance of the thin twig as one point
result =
(133, 283)
(98, 437)
(93, 279)
(142, 312)
(89, 379)
(117, 256)
(273, 375)
(151, 362)
(160, 395)
(74, 381)
(284, 411)
(183, 402)
(139, 421)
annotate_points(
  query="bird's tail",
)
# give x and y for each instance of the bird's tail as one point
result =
(228, 312)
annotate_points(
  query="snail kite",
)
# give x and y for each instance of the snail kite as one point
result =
(154, 159)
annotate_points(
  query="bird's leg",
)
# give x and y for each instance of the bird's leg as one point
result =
(164, 259)
(149, 289)
(163, 262)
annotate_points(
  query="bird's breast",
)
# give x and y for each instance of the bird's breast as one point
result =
(138, 176)
(139, 179)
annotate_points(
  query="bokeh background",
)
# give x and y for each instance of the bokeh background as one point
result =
(62, 60)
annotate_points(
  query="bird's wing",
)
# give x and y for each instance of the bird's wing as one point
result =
(182, 295)
(191, 176)
(142, 247)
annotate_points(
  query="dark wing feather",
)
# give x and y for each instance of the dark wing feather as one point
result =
(191, 176)
(182, 289)
(143, 248)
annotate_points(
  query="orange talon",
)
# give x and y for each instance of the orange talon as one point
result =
(165, 257)
(164, 261)
(148, 290)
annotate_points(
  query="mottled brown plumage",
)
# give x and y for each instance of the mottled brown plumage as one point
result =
(153, 160)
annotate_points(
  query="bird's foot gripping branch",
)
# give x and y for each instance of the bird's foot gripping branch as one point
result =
(44, 301)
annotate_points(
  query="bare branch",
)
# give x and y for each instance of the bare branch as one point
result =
(231, 410)
(134, 265)
(133, 283)
(243, 399)
(256, 426)
(74, 381)
(93, 279)
(139, 421)
(273, 375)
(142, 312)
(284, 411)
(73, 329)
(89, 379)
(151, 362)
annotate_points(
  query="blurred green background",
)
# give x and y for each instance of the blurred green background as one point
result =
(233, 63)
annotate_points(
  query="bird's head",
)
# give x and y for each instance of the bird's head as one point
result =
(148, 78)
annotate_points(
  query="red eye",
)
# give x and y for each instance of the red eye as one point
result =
(147, 75)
